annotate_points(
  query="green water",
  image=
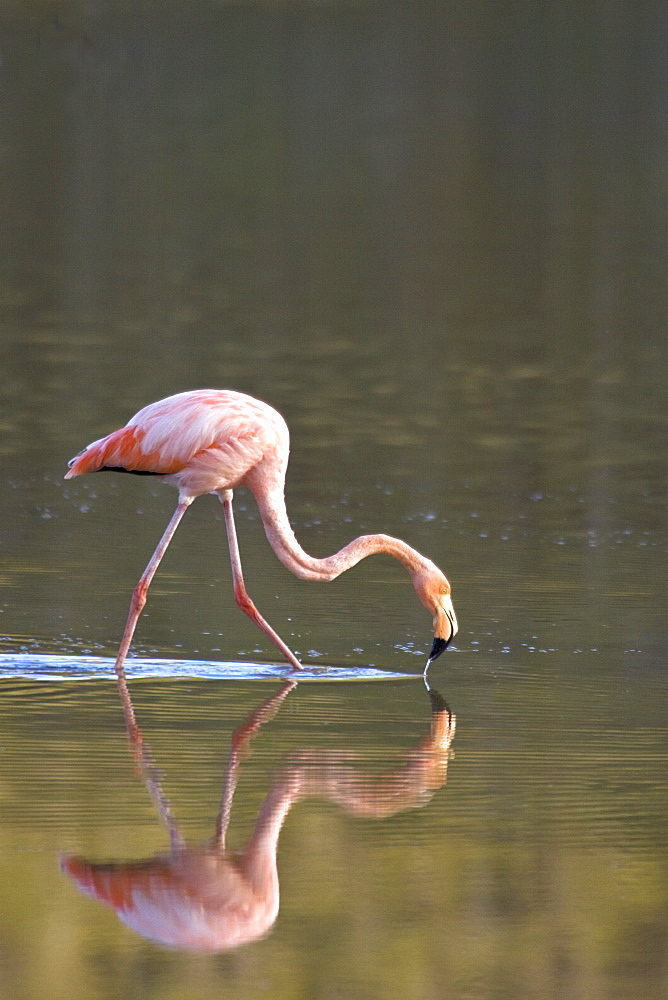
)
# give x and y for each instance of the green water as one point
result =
(434, 239)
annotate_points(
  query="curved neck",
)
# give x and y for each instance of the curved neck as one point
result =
(271, 503)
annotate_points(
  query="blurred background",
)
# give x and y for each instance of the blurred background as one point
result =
(434, 238)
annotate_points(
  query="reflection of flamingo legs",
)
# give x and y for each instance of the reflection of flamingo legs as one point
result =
(151, 777)
(240, 740)
(145, 765)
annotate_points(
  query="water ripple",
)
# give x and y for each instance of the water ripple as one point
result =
(57, 667)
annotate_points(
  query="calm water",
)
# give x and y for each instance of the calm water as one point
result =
(436, 243)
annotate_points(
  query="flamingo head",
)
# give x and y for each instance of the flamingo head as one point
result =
(434, 590)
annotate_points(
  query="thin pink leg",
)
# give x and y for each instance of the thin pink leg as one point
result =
(139, 593)
(240, 594)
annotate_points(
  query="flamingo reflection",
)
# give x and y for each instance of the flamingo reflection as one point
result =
(211, 898)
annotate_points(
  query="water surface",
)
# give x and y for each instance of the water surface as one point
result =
(435, 241)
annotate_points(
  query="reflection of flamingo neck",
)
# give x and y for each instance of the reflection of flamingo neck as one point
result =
(258, 861)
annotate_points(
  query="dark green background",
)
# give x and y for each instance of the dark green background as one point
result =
(434, 237)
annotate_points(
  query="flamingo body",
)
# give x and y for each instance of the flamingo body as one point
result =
(201, 441)
(213, 440)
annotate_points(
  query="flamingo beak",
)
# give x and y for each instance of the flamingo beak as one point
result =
(437, 648)
(445, 625)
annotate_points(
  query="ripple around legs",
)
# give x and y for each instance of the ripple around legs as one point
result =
(63, 667)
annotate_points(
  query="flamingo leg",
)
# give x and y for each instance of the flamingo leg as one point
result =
(139, 593)
(240, 593)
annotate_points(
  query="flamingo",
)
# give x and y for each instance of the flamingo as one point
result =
(213, 440)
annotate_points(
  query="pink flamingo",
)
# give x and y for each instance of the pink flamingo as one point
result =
(213, 440)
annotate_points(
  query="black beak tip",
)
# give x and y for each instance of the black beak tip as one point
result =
(438, 647)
